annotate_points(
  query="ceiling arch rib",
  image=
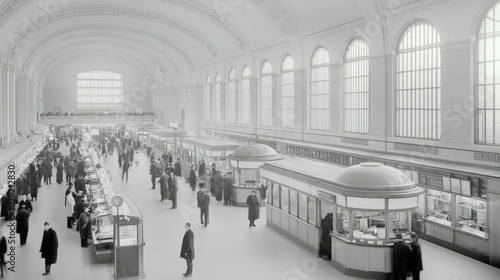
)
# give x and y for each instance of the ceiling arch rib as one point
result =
(42, 22)
(169, 47)
(12, 7)
(67, 40)
(142, 56)
(50, 61)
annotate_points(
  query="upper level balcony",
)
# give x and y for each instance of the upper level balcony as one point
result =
(96, 118)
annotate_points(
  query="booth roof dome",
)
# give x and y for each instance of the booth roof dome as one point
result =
(374, 175)
(254, 152)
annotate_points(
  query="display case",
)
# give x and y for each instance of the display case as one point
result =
(439, 207)
(472, 216)
(245, 162)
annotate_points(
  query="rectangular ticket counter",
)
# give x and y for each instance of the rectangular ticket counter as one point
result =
(211, 149)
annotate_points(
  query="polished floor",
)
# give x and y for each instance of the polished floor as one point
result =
(225, 250)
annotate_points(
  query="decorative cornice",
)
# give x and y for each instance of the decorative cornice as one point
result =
(43, 21)
(114, 29)
(272, 10)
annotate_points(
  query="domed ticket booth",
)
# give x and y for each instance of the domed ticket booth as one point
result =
(349, 216)
(378, 204)
(245, 162)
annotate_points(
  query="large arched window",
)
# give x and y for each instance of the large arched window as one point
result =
(208, 100)
(217, 99)
(244, 108)
(320, 90)
(418, 82)
(488, 79)
(231, 97)
(266, 94)
(356, 87)
(287, 93)
(99, 90)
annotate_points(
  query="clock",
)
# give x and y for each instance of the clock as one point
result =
(117, 200)
(189, 92)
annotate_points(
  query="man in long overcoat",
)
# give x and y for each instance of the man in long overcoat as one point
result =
(401, 259)
(253, 208)
(228, 187)
(163, 186)
(49, 247)
(84, 227)
(23, 223)
(192, 178)
(187, 249)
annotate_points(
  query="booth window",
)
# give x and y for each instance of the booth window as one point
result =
(293, 203)
(311, 211)
(284, 199)
(439, 207)
(276, 195)
(472, 216)
(303, 207)
(99, 90)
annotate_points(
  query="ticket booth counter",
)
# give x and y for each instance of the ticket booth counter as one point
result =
(369, 204)
(164, 140)
(211, 149)
(245, 162)
(128, 239)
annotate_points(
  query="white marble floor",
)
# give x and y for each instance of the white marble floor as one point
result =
(226, 249)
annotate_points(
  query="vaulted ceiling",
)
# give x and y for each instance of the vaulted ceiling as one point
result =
(179, 35)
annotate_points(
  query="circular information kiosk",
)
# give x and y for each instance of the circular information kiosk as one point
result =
(378, 204)
(245, 162)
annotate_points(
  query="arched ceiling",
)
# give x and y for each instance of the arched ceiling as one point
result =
(179, 35)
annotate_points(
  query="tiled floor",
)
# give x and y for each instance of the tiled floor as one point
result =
(227, 249)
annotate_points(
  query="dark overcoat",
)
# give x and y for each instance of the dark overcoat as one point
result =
(416, 257)
(84, 225)
(253, 207)
(187, 248)
(192, 179)
(22, 221)
(401, 257)
(49, 246)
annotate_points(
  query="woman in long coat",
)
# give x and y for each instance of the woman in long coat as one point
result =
(253, 208)
(59, 172)
(9, 198)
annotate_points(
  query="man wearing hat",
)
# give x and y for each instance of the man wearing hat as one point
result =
(49, 247)
(84, 226)
(192, 178)
(253, 208)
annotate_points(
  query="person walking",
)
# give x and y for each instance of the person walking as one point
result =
(228, 188)
(59, 172)
(204, 207)
(253, 208)
(192, 178)
(23, 223)
(164, 186)
(199, 198)
(48, 172)
(172, 191)
(49, 247)
(125, 166)
(177, 168)
(187, 249)
(416, 257)
(201, 169)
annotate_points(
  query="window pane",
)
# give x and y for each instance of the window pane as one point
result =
(284, 198)
(99, 90)
(303, 206)
(417, 90)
